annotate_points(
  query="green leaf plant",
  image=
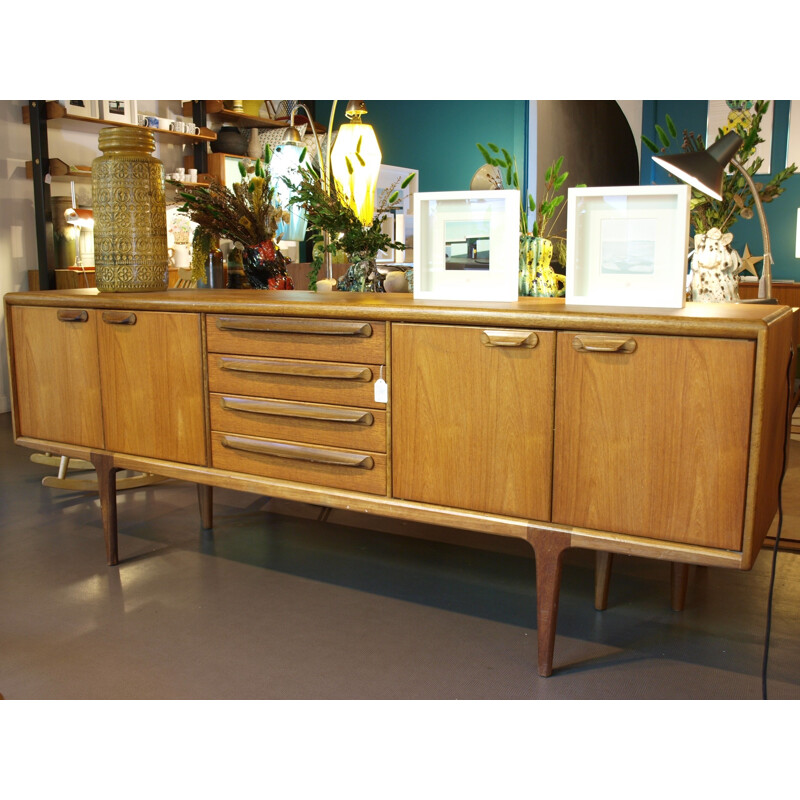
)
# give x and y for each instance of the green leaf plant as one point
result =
(737, 199)
(534, 220)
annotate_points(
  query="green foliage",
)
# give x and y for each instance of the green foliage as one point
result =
(737, 199)
(544, 216)
(329, 212)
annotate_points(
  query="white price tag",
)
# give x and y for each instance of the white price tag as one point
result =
(381, 389)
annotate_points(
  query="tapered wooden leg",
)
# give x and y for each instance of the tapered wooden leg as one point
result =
(107, 489)
(205, 499)
(548, 549)
(679, 580)
(602, 579)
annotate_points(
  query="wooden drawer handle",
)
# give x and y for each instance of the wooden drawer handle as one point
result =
(299, 452)
(509, 338)
(603, 343)
(343, 372)
(119, 318)
(276, 408)
(323, 327)
(73, 315)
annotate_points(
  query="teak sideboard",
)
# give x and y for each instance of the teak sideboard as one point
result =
(649, 433)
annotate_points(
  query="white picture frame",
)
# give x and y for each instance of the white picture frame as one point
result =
(466, 245)
(118, 111)
(81, 108)
(627, 246)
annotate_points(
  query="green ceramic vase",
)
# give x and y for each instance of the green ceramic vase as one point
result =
(536, 277)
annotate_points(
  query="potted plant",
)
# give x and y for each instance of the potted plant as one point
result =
(335, 228)
(537, 278)
(715, 265)
(246, 214)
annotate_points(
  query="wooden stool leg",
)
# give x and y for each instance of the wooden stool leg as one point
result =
(107, 489)
(679, 580)
(205, 499)
(602, 579)
(548, 549)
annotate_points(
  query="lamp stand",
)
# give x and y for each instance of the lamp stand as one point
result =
(765, 283)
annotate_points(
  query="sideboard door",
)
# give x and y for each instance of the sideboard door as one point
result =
(652, 436)
(151, 373)
(472, 418)
(54, 353)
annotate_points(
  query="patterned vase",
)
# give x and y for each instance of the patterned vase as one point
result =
(362, 276)
(536, 277)
(130, 214)
(715, 268)
(265, 267)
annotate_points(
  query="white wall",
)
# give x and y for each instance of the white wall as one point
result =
(17, 232)
(75, 144)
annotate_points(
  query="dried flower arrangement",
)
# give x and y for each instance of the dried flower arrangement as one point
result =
(246, 214)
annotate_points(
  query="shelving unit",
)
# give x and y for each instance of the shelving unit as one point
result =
(55, 112)
(237, 118)
(41, 169)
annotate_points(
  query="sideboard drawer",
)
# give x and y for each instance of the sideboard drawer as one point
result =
(312, 423)
(318, 339)
(294, 379)
(338, 468)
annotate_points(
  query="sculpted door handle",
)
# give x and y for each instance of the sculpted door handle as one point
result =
(297, 368)
(314, 455)
(119, 317)
(510, 338)
(324, 327)
(73, 315)
(603, 343)
(297, 410)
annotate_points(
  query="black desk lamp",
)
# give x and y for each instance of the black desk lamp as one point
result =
(704, 170)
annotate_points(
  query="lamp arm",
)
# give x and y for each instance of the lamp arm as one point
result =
(324, 171)
(311, 120)
(765, 284)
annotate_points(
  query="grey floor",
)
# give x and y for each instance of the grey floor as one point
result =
(277, 605)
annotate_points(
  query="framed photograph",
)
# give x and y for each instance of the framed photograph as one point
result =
(118, 111)
(81, 108)
(466, 245)
(725, 115)
(628, 246)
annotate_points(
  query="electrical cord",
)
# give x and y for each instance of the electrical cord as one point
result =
(786, 441)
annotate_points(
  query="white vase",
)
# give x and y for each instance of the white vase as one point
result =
(715, 268)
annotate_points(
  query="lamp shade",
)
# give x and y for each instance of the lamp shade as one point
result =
(704, 169)
(284, 166)
(355, 163)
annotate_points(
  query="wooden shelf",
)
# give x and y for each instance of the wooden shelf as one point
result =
(60, 169)
(55, 111)
(240, 120)
(236, 118)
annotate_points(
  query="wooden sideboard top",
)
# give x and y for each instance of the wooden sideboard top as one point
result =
(734, 320)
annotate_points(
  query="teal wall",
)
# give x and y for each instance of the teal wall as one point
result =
(438, 137)
(781, 213)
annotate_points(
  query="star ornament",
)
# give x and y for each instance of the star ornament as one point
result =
(749, 262)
